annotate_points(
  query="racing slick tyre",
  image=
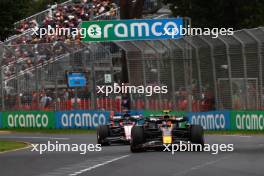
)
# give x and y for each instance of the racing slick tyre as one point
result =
(197, 134)
(102, 134)
(137, 138)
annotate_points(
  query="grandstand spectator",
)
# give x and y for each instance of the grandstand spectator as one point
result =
(70, 15)
(125, 102)
(66, 95)
(26, 51)
(45, 100)
(25, 25)
(63, 16)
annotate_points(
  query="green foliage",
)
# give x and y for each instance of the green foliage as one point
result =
(220, 13)
(11, 145)
(12, 11)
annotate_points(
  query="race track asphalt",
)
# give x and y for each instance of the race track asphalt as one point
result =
(247, 159)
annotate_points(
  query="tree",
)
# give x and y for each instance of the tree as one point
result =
(130, 9)
(12, 11)
(220, 13)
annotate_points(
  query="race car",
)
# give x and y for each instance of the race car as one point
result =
(119, 129)
(164, 129)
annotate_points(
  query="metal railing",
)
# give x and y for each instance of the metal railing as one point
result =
(152, 6)
(200, 72)
(110, 15)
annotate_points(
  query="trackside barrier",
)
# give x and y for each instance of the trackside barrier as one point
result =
(1, 120)
(28, 119)
(247, 120)
(62, 119)
(212, 120)
(176, 113)
(81, 119)
(138, 112)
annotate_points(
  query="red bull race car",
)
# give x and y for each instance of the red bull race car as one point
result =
(119, 129)
(160, 130)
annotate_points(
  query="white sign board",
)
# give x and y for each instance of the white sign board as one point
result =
(107, 78)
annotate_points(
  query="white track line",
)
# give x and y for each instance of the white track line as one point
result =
(235, 135)
(98, 165)
(202, 165)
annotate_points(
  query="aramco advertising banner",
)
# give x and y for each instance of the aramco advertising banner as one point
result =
(136, 29)
(28, 119)
(247, 120)
(81, 119)
(212, 120)
(175, 113)
(1, 120)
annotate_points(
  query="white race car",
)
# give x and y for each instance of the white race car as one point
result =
(118, 130)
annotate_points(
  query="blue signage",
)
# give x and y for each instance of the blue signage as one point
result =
(76, 79)
(81, 119)
(212, 120)
(136, 29)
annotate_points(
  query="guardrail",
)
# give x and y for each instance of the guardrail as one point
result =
(107, 16)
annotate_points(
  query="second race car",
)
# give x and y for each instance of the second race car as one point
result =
(119, 129)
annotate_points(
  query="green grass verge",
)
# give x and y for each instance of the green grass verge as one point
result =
(242, 132)
(51, 131)
(11, 145)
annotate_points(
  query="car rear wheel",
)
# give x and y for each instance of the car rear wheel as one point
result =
(197, 134)
(137, 138)
(102, 134)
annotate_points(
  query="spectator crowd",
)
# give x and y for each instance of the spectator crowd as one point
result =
(26, 50)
